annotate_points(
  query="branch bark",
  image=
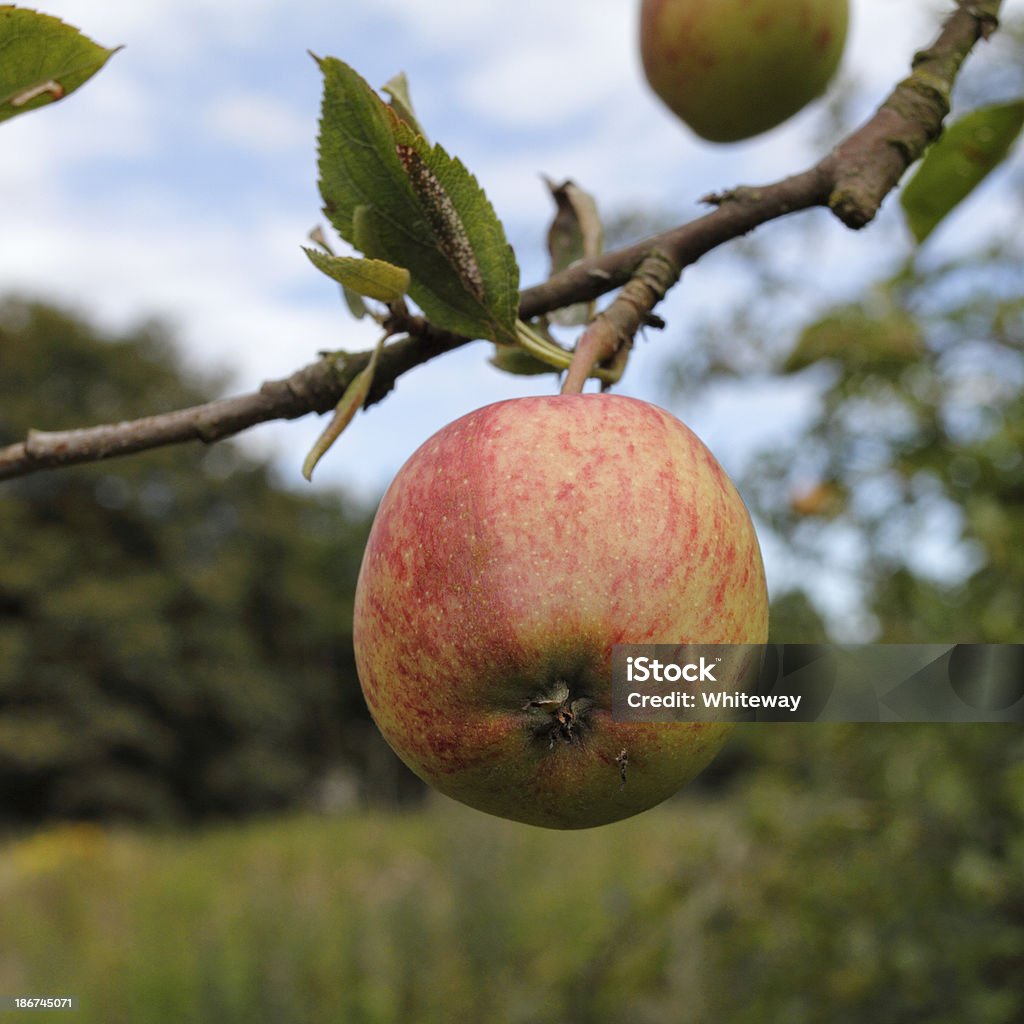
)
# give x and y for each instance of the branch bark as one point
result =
(852, 180)
(609, 336)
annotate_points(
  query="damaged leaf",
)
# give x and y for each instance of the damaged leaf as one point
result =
(42, 60)
(344, 412)
(398, 199)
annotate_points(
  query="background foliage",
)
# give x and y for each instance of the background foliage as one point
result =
(175, 629)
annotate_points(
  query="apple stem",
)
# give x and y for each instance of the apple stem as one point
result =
(596, 343)
(608, 338)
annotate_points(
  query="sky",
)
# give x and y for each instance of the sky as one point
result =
(180, 183)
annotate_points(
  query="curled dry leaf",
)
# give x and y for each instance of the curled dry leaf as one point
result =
(575, 233)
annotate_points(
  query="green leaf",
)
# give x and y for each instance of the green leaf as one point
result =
(960, 161)
(344, 412)
(42, 60)
(396, 198)
(374, 279)
(354, 301)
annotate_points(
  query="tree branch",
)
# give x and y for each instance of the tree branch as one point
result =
(609, 336)
(852, 181)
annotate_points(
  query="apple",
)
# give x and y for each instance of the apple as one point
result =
(731, 69)
(509, 554)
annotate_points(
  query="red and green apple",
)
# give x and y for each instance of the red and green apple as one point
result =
(731, 69)
(510, 553)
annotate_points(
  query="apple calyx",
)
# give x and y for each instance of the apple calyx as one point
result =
(559, 715)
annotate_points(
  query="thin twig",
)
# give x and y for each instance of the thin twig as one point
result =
(852, 181)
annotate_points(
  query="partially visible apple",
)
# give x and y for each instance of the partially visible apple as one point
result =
(735, 68)
(512, 550)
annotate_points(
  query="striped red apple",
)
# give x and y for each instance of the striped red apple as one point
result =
(510, 553)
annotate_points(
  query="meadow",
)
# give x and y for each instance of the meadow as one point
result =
(894, 897)
(435, 915)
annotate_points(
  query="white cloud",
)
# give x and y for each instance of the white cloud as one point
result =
(258, 122)
(573, 66)
(171, 31)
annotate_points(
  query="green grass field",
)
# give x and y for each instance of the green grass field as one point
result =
(437, 915)
(896, 900)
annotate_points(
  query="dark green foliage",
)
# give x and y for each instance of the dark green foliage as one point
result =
(175, 628)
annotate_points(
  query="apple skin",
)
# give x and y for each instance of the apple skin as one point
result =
(731, 69)
(509, 554)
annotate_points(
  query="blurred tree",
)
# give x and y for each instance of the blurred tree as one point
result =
(175, 629)
(911, 465)
(894, 503)
(897, 501)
